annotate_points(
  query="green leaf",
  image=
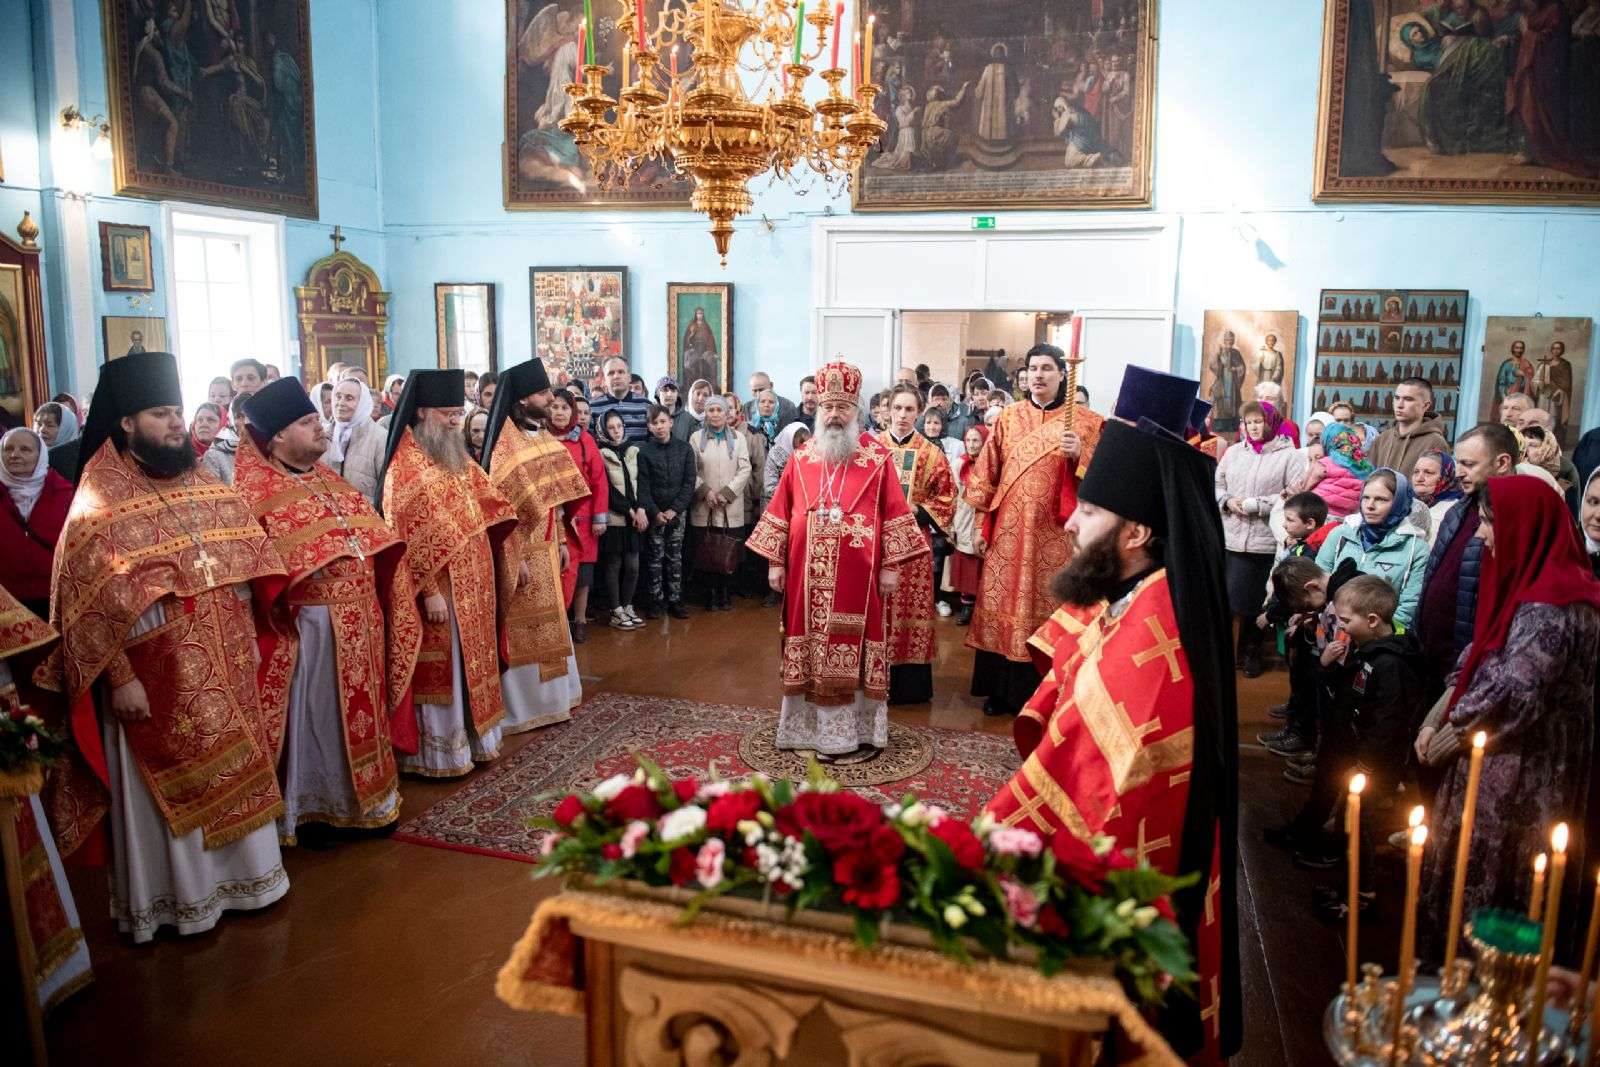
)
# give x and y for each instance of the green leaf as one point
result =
(782, 793)
(866, 929)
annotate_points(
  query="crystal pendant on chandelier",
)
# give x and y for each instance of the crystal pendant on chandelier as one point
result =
(703, 124)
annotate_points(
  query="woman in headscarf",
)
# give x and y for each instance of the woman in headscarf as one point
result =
(1437, 485)
(627, 518)
(765, 421)
(966, 566)
(392, 387)
(356, 444)
(1383, 540)
(1317, 424)
(1526, 680)
(751, 579)
(32, 511)
(204, 426)
(695, 407)
(722, 458)
(1337, 477)
(790, 440)
(1252, 476)
(324, 401)
(55, 424)
(585, 520)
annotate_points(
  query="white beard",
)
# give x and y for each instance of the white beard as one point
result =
(837, 445)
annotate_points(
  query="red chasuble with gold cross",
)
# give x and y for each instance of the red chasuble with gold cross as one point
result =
(834, 528)
(1107, 743)
(924, 475)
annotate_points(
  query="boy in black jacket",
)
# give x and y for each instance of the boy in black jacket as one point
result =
(668, 470)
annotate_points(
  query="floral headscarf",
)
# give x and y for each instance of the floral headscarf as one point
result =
(1449, 487)
(1273, 430)
(1345, 447)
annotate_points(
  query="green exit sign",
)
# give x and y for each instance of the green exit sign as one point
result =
(983, 222)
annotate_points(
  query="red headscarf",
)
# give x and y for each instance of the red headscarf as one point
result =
(1538, 558)
(966, 460)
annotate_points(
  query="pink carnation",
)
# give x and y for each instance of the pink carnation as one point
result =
(708, 863)
(633, 836)
(548, 845)
(1020, 902)
(1015, 841)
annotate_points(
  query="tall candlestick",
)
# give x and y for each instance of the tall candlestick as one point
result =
(1408, 931)
(1536, 905)
(1352, 829)
(1590, 942)
(799, 31)
(1468, 808)
(866, 50)
(627, 51)
(1547, 945)
(838, 31)
(588, 31)
(707, 26)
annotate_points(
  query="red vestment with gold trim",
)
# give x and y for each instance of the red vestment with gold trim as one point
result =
(1020, 488)
(340, 554)
(1108, 742)
(923, 472)
(833, 614)
(536, 474)
(452, 524)
(205, 752)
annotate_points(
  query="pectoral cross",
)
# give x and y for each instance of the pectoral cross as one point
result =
(204, 562)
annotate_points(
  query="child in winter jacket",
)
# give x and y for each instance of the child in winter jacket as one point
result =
(1343, 468)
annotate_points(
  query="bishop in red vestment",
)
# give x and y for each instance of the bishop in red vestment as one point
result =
(1131, 734)
(836, 535)
(923, 472)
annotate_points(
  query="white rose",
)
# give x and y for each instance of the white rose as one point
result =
(609, 788)
(676, 825)
(955, 917)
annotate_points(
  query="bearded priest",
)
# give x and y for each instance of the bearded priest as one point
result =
(535, 473)
(836, 535)
(335, 679)
(923, 472)
(1132, 732)
(453, 521)
(156, 573)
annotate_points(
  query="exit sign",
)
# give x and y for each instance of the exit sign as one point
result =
(983, 222)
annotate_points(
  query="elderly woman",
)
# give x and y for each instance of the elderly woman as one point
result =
(1436, 484)
(722, 461)
(204, 426)
(1252, 476)
(765, 421)
(33, 509)
(791, 439)
(55, 424)
(1526, 680)
(472, 430)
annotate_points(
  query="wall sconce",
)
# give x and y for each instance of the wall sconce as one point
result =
(73, 119)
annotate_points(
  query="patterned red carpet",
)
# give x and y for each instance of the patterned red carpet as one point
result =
(489, 813)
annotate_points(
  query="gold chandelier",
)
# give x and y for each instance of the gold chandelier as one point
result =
(702, 124)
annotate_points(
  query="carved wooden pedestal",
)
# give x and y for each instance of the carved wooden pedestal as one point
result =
(746, 991)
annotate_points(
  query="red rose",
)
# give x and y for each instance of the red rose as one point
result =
(682, 870)
(612, 851)
(841, 822)
(885, 844)
(726, 812)
(962, 841)
(686, 789)
(634, 802)
(1051, 923)
(867, 882)
(568, 810)
(1076, 860)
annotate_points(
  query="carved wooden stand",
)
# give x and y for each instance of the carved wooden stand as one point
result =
(15, 789)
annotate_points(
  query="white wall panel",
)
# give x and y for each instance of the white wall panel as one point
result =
(902, 271)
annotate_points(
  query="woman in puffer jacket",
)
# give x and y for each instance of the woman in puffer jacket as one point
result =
(1384, 539)
(1253, 476)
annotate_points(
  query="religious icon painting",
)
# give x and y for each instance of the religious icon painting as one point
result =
(24, 379)
(128, 334)
(125, 264)
(464, 319)
(212, 102)
(543, 169)
(580, 319)
(1369, 339)
(1545, 359)
(1239, 350)
(1037, 104)
(700, 335)
(1473, 103)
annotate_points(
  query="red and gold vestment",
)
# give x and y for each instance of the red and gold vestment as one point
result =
(536, 475)
(834, 528)
(924, 475)
(341, 554)
(452, 525)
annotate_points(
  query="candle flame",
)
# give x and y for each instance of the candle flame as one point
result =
(1358, 782)
(1416, 816)
(1540, 862)
(1419, 835)
(1558, 838)
(1480, 739)
(872, 20)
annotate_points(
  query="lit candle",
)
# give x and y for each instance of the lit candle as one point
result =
(588, 31)
(1077, 343)
(838, 28)
(1468, 808)
(638, 12)
(1547, 946)
(866, 50)
(1589, 944)
(1408, 931)
(1536, 905)
(674, 62)
(1352, 829)
(799, 31)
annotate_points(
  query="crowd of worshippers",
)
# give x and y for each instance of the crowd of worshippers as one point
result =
(1418, 592)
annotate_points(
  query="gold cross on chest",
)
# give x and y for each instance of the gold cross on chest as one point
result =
(1143, 848)
(204, 562)
(1166, 648)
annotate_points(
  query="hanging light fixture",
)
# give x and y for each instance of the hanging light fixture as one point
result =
(702, 123)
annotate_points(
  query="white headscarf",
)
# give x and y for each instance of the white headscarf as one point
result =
(688, 399)
(339, 432)
(25, 491)
(69, 429)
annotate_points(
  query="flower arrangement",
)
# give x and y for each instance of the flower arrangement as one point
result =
(814, 846)
(25, 742)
